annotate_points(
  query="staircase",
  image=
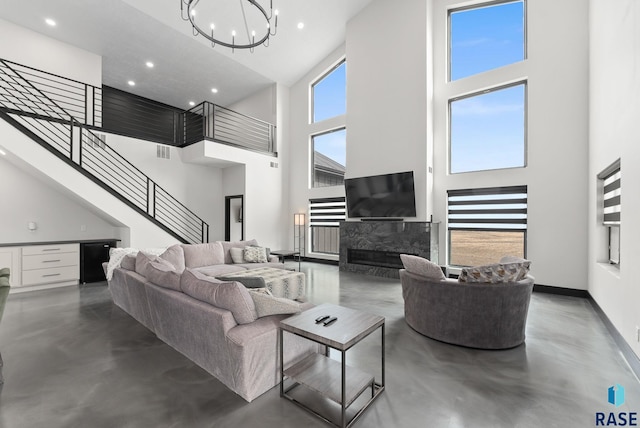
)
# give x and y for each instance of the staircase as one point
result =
(56, 113)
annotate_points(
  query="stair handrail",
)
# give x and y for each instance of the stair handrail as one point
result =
(72, 121)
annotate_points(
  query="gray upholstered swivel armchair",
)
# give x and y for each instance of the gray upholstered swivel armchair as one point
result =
(476, 315)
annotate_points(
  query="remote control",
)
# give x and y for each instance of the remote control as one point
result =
(322, 318)
(330, 321)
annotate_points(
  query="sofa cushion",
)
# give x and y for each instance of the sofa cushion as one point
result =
(231, 296)
(523, 264)
(217, 270)
(163, 275)
(175, 255)
(255, 254)
(423, 267)
(266, 304)
(227, 245)
(198, 255)
(494, 273)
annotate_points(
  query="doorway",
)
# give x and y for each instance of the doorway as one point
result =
(234, 218)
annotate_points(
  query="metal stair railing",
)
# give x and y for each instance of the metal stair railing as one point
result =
(46, 121)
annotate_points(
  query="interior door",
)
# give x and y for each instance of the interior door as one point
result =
(234, 218)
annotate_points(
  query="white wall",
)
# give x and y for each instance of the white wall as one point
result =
(557, 136)
(60, 217)
(198, 187)
(142, 233)
(386, 49)
(261, 105)
(263, 195)
(613, 134)
(27, 47)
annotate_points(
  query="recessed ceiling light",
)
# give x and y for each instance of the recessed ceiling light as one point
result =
(149, 64)
(191, 103)
(214, 90)
(131, 83)
(300, 25)
(50, 22)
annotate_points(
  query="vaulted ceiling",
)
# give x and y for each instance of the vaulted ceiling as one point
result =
(128, 33)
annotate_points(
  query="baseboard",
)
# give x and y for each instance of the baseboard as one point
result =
(321, 261)
(539, 288)
(627, 352)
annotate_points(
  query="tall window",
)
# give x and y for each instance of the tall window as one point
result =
(329, 158)
(324, 221)
(329, 93)
(486, 37)
(610, 185)
(488, 129)
(486, 224)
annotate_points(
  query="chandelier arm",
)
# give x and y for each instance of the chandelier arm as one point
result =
(197, 30)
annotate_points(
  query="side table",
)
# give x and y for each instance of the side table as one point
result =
(329, 378)
(282, 254)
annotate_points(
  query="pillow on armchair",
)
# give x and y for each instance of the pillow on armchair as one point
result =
(510, 269)
(423, 267)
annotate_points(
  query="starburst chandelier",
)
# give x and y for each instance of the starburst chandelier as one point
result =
(242, 24)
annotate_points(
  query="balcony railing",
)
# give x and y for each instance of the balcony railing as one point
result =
(213, 122)
(42, 116)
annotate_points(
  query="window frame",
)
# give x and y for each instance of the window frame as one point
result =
(486, 191)
(312, 151)
(484, 92)
(317, 215)
(319, 79)
(525, 39)
(611, 223)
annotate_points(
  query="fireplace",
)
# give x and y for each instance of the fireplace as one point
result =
(388, 259)
(374, 247)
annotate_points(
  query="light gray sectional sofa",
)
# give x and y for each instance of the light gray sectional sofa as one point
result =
(213, 323)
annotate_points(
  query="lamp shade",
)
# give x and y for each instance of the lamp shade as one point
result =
(298, 219)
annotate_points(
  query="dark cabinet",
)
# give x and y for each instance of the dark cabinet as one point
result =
(92, 255)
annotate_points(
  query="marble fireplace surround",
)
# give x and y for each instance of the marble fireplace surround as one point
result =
(373, 247)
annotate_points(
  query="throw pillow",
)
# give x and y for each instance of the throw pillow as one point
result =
(523, 264)
(266, 304)
(175, 255)
(494, 273)
(143, 259)
(128, 262)
(163, 274)
(237, 254)
(198, 255)
(423, 267)
(227, 245)
(255, 255)
(231, 296)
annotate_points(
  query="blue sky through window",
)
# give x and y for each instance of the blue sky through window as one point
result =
(330, 94)
(486, 38)
(487, 130)
(333, 145)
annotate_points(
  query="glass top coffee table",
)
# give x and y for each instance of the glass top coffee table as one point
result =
(331, 379)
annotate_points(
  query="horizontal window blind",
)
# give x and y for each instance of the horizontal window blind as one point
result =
(611, 195)
(327, 212)
(495, 208)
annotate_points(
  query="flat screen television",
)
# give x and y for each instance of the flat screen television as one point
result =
(388, 195)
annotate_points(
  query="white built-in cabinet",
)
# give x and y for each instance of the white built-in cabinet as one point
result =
(40, 265)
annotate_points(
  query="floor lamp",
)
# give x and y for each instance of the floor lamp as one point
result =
(299, 235)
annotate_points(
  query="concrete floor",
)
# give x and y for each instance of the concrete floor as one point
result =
(73, 359)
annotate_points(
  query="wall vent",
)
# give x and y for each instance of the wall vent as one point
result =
(164, 152)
